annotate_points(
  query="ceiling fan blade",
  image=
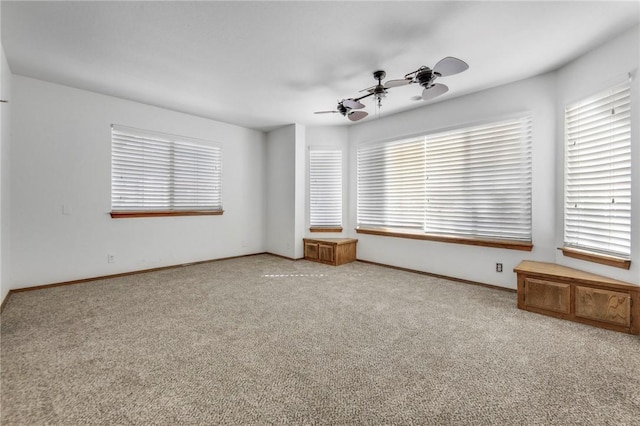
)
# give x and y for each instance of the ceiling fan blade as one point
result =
(450, 66)
(395, 83)
(434, 91)
(357, 115)
(352, 104)
(325, 112)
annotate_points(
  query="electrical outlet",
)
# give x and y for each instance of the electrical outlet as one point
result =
(498, 267)
(111, 258)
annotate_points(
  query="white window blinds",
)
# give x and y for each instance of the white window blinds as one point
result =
(471, 182)
(153, 172)
(598, 173)
(325, 188)
(391, 185)
(479, 181)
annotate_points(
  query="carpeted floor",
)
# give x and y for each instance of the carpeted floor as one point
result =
(264, 340)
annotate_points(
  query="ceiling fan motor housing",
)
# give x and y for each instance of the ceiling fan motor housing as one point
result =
(425, 77)
(379, 90)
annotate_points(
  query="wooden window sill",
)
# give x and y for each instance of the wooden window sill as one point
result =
(616, 262)
(325, 229)
(125, 215)
(504, 244)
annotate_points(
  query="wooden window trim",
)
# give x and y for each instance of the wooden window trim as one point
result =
(127, 215)
(616, 262)
(325, 229)
(504, 244)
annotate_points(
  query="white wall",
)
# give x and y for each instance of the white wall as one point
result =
(300, 191)
(5, 143)
(286, 191)
(593, 72)
(61, 156)
(535, 96)
(281, 189)
(334, 137)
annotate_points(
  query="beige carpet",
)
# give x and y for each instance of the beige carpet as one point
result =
(263, 340)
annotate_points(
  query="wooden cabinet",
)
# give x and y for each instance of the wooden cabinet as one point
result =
(332, 251)
(575, 295)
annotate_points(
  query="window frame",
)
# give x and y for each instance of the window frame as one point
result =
(339, 198)
(583, 251)
(507, 243)
(185, 146)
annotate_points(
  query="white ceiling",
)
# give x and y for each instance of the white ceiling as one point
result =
(265, 64)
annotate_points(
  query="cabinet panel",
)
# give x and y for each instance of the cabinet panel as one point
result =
(603, 305)
(547, 295)
(345, 253)
(311, 250)
(325, 253)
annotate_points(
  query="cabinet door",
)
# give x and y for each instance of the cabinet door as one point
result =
(603, 305)
(311, 250)
(547, 295)
(326, 253)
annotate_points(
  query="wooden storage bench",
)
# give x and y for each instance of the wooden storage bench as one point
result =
(333, 251)
(571, 294)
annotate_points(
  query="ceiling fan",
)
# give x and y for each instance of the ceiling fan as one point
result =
(424, 76)
(346, 107)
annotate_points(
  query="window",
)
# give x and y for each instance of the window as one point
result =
(154, 174)
(464, 186)
(391, 185)
(597, 207)
(479, 181)
(325, 190)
